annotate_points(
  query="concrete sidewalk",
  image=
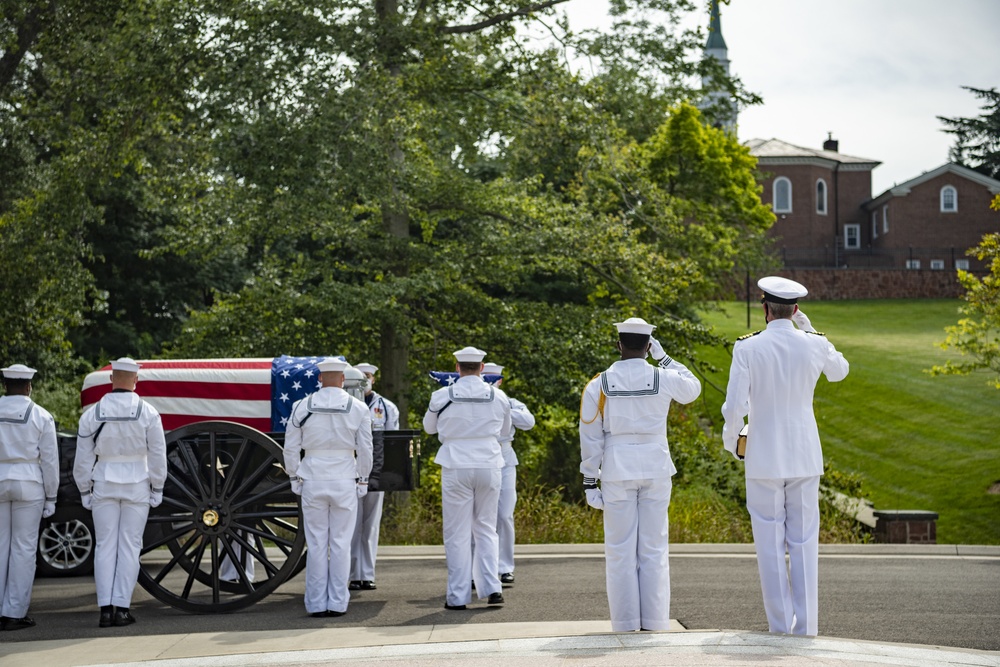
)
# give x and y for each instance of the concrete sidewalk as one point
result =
(512, 644)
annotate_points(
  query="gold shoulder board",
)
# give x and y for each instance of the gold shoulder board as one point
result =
(745, 336)
(816, 333)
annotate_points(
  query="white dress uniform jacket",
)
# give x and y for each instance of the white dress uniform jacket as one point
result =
(121, 456)
(334, 432)
(623, 442)
(772, 379)
(469, 417)
(364, 546)
(29, 477)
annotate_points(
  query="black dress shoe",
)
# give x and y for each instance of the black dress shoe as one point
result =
(495, 598)
(335, 613)
(454, 607)
(107, 619)
(354, 585)
(319, 614)
(368, 585)
(507, 578)
(3, 622)
(123, 617)
(19, 623)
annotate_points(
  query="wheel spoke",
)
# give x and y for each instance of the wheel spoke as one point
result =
(263, 494)
(177, 557)
(237, 562)
(253, 478)
(215, 569)
(163, 539)
(271, 535)
(236, 470)
(189, 458)
(195, 564)
(265, 513)
(213, 473)
(260, 555)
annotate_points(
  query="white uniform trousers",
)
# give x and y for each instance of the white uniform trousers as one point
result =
(505, 518)
(469, 498)
(785, 513)
(637, 553)
(227, 570)
(120, 512)
(329, 509)
(21, 504)
(364, 546)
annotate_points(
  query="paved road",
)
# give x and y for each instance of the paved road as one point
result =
(934, 599)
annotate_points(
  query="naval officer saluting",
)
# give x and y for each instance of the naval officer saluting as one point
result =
(120, 469)
(333, 431)
(469, 417)
(623, 442)
(29, 480)
(772, 379)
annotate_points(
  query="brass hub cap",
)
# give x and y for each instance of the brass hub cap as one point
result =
(210, 517)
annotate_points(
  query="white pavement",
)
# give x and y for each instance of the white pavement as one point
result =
(561, 644)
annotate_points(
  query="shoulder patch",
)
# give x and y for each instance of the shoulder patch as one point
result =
(816, 333)
(745, 336)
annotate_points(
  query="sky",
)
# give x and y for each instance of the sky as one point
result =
(875, 73)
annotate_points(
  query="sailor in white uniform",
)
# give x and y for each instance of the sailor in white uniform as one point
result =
(623, 443)
(772, 379)
(29, 480)
(364, 547)
(520, 418)
(328, 456)
(120, 469)
(469, 418)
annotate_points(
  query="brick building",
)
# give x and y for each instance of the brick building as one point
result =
(826, 216)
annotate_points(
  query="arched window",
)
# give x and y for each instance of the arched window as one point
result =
(821, 196)
(782, 195)
(949, 199)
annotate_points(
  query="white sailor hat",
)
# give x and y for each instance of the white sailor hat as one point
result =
(126, 364)
(469, 354)
(332, 364)
(18, 372)
(635, 325)
(781, 290)
(492, 369)
(367, 368)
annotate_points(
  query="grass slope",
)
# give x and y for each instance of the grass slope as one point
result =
(919, 442)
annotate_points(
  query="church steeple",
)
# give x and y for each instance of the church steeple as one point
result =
(715, 47)
(715, 40)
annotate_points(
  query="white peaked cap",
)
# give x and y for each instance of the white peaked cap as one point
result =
(469, 354)
(125, 364)
(781, 290)
(635, 325)
(493, 369)
(332, 364)
(367, 368)
(18, 372)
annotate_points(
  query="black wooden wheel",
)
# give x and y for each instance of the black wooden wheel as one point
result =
(227, 501)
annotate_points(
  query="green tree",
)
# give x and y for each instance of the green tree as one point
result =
(977, 334)
(977, 140)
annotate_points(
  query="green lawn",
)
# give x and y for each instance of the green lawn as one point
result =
(919, 442)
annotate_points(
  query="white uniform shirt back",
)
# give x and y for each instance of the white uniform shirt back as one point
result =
(469, 418)
(780, 367)
(629, 441)
(130, 447)
(28, 449)
(336, 438)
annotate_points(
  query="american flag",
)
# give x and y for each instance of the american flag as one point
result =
(255, 392)
(448, 378)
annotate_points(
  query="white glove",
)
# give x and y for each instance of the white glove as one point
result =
(655, 349)
(155, 498)
(802, 321)
(595, 499)
(362, 489)
(296, 485)
(49, 509)
(87, 501)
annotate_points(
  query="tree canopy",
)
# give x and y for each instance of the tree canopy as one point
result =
(387, 180)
